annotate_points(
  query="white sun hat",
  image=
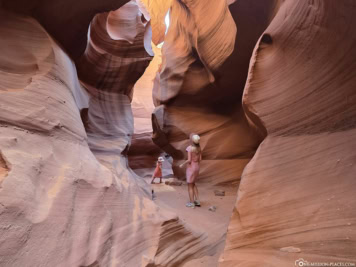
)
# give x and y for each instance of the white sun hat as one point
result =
(160, 159)
(196, 139)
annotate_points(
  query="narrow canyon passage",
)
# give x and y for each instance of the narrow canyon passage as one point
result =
(228, 139)
(93, 92)
(172, 194)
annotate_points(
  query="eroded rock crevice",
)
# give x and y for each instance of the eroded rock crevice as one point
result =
(200, 87)
(4, 168)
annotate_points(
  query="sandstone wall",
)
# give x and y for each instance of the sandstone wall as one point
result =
(64, 199)
(205, 61)
(114, 60)
(143, 153)
(297, 195)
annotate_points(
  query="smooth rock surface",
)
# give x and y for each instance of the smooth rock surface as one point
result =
(299, 189)
(143, 153)
(204, 69)
(63, 202)
(68, 21)
(112, 63)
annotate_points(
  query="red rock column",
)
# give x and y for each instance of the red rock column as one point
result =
(114, 60)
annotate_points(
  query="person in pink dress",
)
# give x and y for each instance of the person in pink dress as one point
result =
(158, 171)
(192, 171)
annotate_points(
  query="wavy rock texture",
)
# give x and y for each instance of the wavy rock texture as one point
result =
(157, 10)
(68, 21)
(61, 202)
(299, 189)
(204, 70)
(143, 153)
(114, 60)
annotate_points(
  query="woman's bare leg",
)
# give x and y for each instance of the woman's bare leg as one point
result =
(152, 179)
(191, 192)
(196, 193)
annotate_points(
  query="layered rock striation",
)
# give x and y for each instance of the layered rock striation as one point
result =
(114, 60)
(296, 197)
(67, 197)
(143, 153)
(205, 61)
(68, 21)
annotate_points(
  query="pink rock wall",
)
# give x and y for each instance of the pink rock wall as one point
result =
(143, 153)
(68, 21)
(297, 195)
(64, 200)
(205, 61)
(114, 60)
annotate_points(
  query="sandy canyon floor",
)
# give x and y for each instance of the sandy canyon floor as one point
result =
(213, 225)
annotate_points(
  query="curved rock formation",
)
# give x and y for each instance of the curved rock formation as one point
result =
(143, 153)
(157, 10)
(61, 202)
(68, 21)
(203, 74)
(114, 60)
(297, 195)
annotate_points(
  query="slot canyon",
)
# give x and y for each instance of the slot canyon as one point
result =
(92, 93)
